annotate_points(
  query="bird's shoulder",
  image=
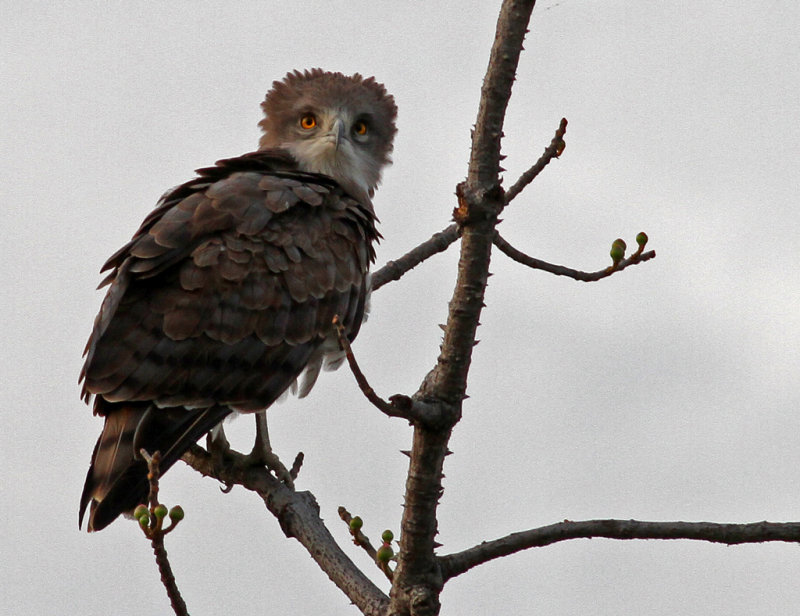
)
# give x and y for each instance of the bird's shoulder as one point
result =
(243, 195)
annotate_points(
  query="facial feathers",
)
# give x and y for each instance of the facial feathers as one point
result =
(332, 124)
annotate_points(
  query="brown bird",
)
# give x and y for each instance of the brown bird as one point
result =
(226, 293)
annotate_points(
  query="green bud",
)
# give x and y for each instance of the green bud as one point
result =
(356, 523)
(618, 250)
(384, 554)
(141, 511)
(160, 511)
(144, 521)
(387, 536)
(641, 239)
(176, 513)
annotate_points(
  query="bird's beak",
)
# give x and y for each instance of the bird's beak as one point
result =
(337, 133)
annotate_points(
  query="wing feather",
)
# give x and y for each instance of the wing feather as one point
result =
(253, 264)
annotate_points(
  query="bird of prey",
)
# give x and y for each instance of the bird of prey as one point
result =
(226, 293)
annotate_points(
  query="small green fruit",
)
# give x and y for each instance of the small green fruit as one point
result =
(176, 513)
(384, 554)
(387, 536)
(356, 523)
(141, 511)
(144, 521)
(618, 250)
(641, 239)
(160, 511)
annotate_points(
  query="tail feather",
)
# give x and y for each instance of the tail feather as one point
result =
(117, 477)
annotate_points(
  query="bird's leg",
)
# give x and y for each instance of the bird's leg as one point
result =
(217, 443)
(262, 451)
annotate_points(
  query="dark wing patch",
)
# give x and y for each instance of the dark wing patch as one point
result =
(229, 287)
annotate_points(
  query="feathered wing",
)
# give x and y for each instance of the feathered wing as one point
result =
(218, 303)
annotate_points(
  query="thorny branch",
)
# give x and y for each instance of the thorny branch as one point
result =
(730, 534)
(417, 579)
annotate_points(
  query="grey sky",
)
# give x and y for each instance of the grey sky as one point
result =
(669, 391)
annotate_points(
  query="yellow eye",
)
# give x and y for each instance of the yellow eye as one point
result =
(360, 128)
(308, 121)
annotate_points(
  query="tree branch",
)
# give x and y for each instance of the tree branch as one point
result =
(399, 405)
(417, 580)
(550, 152)
(394, 270)
(298, 515)
(730, 534)
(560, 270)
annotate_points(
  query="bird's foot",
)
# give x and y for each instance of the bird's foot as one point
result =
(262, 454)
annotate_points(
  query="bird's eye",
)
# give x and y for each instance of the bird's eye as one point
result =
(360, 128)
(308, 121)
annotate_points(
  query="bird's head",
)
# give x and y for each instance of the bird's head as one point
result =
(338, 125)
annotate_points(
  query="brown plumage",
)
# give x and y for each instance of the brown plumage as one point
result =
(227, 291)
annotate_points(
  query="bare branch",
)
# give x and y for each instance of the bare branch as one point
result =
(296, 465)
(298, 515)
(730, 534)
(551, 151)
(394, 270)
(512, 25)
(560, 270)
(388, 409)
(399, 405)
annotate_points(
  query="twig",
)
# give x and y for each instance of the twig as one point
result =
(560, 270)
(361, 540)
(155, 532)
(296, 465)
(730, 534)
(551, 151)
(400, 405)
(394, 270)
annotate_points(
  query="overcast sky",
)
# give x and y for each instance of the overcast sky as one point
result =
(667, 392)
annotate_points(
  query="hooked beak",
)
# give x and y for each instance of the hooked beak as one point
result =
(336, 133)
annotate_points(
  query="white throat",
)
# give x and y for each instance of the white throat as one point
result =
(349, 166)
